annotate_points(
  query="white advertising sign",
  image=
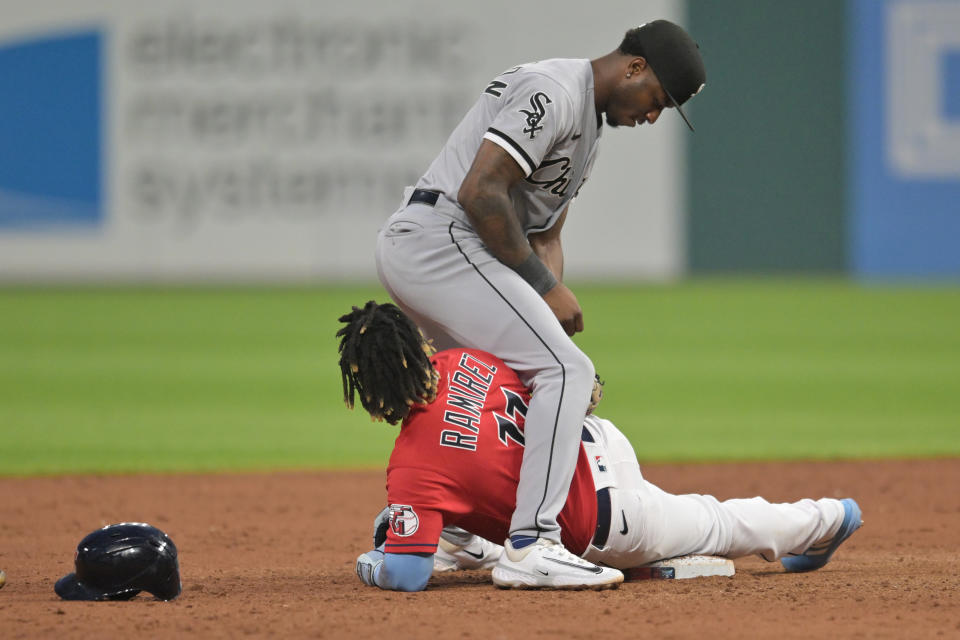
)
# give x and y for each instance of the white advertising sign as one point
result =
(266, 142)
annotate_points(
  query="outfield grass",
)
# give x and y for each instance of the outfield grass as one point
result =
(118, 380)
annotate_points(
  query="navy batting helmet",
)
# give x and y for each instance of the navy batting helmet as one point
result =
(121, 560)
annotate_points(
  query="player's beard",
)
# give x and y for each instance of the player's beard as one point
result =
(611, 123)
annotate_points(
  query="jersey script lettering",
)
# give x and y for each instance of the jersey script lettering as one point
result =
(466, 395)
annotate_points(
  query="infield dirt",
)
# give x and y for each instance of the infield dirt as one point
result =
(272, 555)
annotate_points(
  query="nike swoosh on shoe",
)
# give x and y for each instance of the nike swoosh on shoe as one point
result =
(590, 569)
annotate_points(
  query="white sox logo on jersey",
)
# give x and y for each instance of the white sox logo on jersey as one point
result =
(538, 102)
(552, 175)
(403, 520)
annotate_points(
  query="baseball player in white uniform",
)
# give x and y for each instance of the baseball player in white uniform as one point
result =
(474, 256)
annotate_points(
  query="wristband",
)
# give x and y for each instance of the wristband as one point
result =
(536, 274)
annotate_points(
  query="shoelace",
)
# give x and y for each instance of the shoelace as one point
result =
(564, 554)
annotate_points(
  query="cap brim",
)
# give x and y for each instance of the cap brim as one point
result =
(676, 105)
(70, 588)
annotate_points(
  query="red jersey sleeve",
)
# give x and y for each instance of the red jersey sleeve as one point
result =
(418, 501)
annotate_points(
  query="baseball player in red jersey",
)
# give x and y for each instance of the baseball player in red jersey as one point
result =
(457, 460)
(474, 255)
(479, 418)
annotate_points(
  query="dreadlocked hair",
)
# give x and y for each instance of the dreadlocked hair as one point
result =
(386, 361)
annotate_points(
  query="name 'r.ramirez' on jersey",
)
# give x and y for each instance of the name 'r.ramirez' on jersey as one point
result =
(456, 461)
(542, 114)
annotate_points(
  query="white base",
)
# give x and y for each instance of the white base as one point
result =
(682, 568)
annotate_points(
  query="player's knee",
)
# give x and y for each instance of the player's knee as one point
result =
(574, 372)
(568, 369)
(580, 372)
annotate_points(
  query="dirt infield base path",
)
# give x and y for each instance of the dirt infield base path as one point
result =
(271, 555)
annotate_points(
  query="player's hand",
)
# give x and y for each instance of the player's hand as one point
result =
(380, 525)
(596, 395)
(565, 306)
(367, 564)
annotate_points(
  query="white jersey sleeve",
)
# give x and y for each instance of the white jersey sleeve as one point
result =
(535, 113)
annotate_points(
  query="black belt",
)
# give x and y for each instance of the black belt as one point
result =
(603, 506)
(424, 197)
(603, 518)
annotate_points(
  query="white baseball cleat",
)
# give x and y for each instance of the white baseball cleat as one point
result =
(548, 565)
(477, 554)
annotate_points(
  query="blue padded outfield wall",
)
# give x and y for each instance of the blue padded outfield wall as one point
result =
(904, 124)
(50, 131)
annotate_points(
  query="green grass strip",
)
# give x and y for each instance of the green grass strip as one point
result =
(108, 380)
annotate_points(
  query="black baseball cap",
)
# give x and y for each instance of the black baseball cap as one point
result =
(673, 56)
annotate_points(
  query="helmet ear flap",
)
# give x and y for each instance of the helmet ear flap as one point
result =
(167, 588)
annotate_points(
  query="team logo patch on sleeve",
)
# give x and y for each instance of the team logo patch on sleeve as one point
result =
(538, 106)
(403, 520)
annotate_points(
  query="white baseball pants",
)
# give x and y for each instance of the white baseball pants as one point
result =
(649, 524)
